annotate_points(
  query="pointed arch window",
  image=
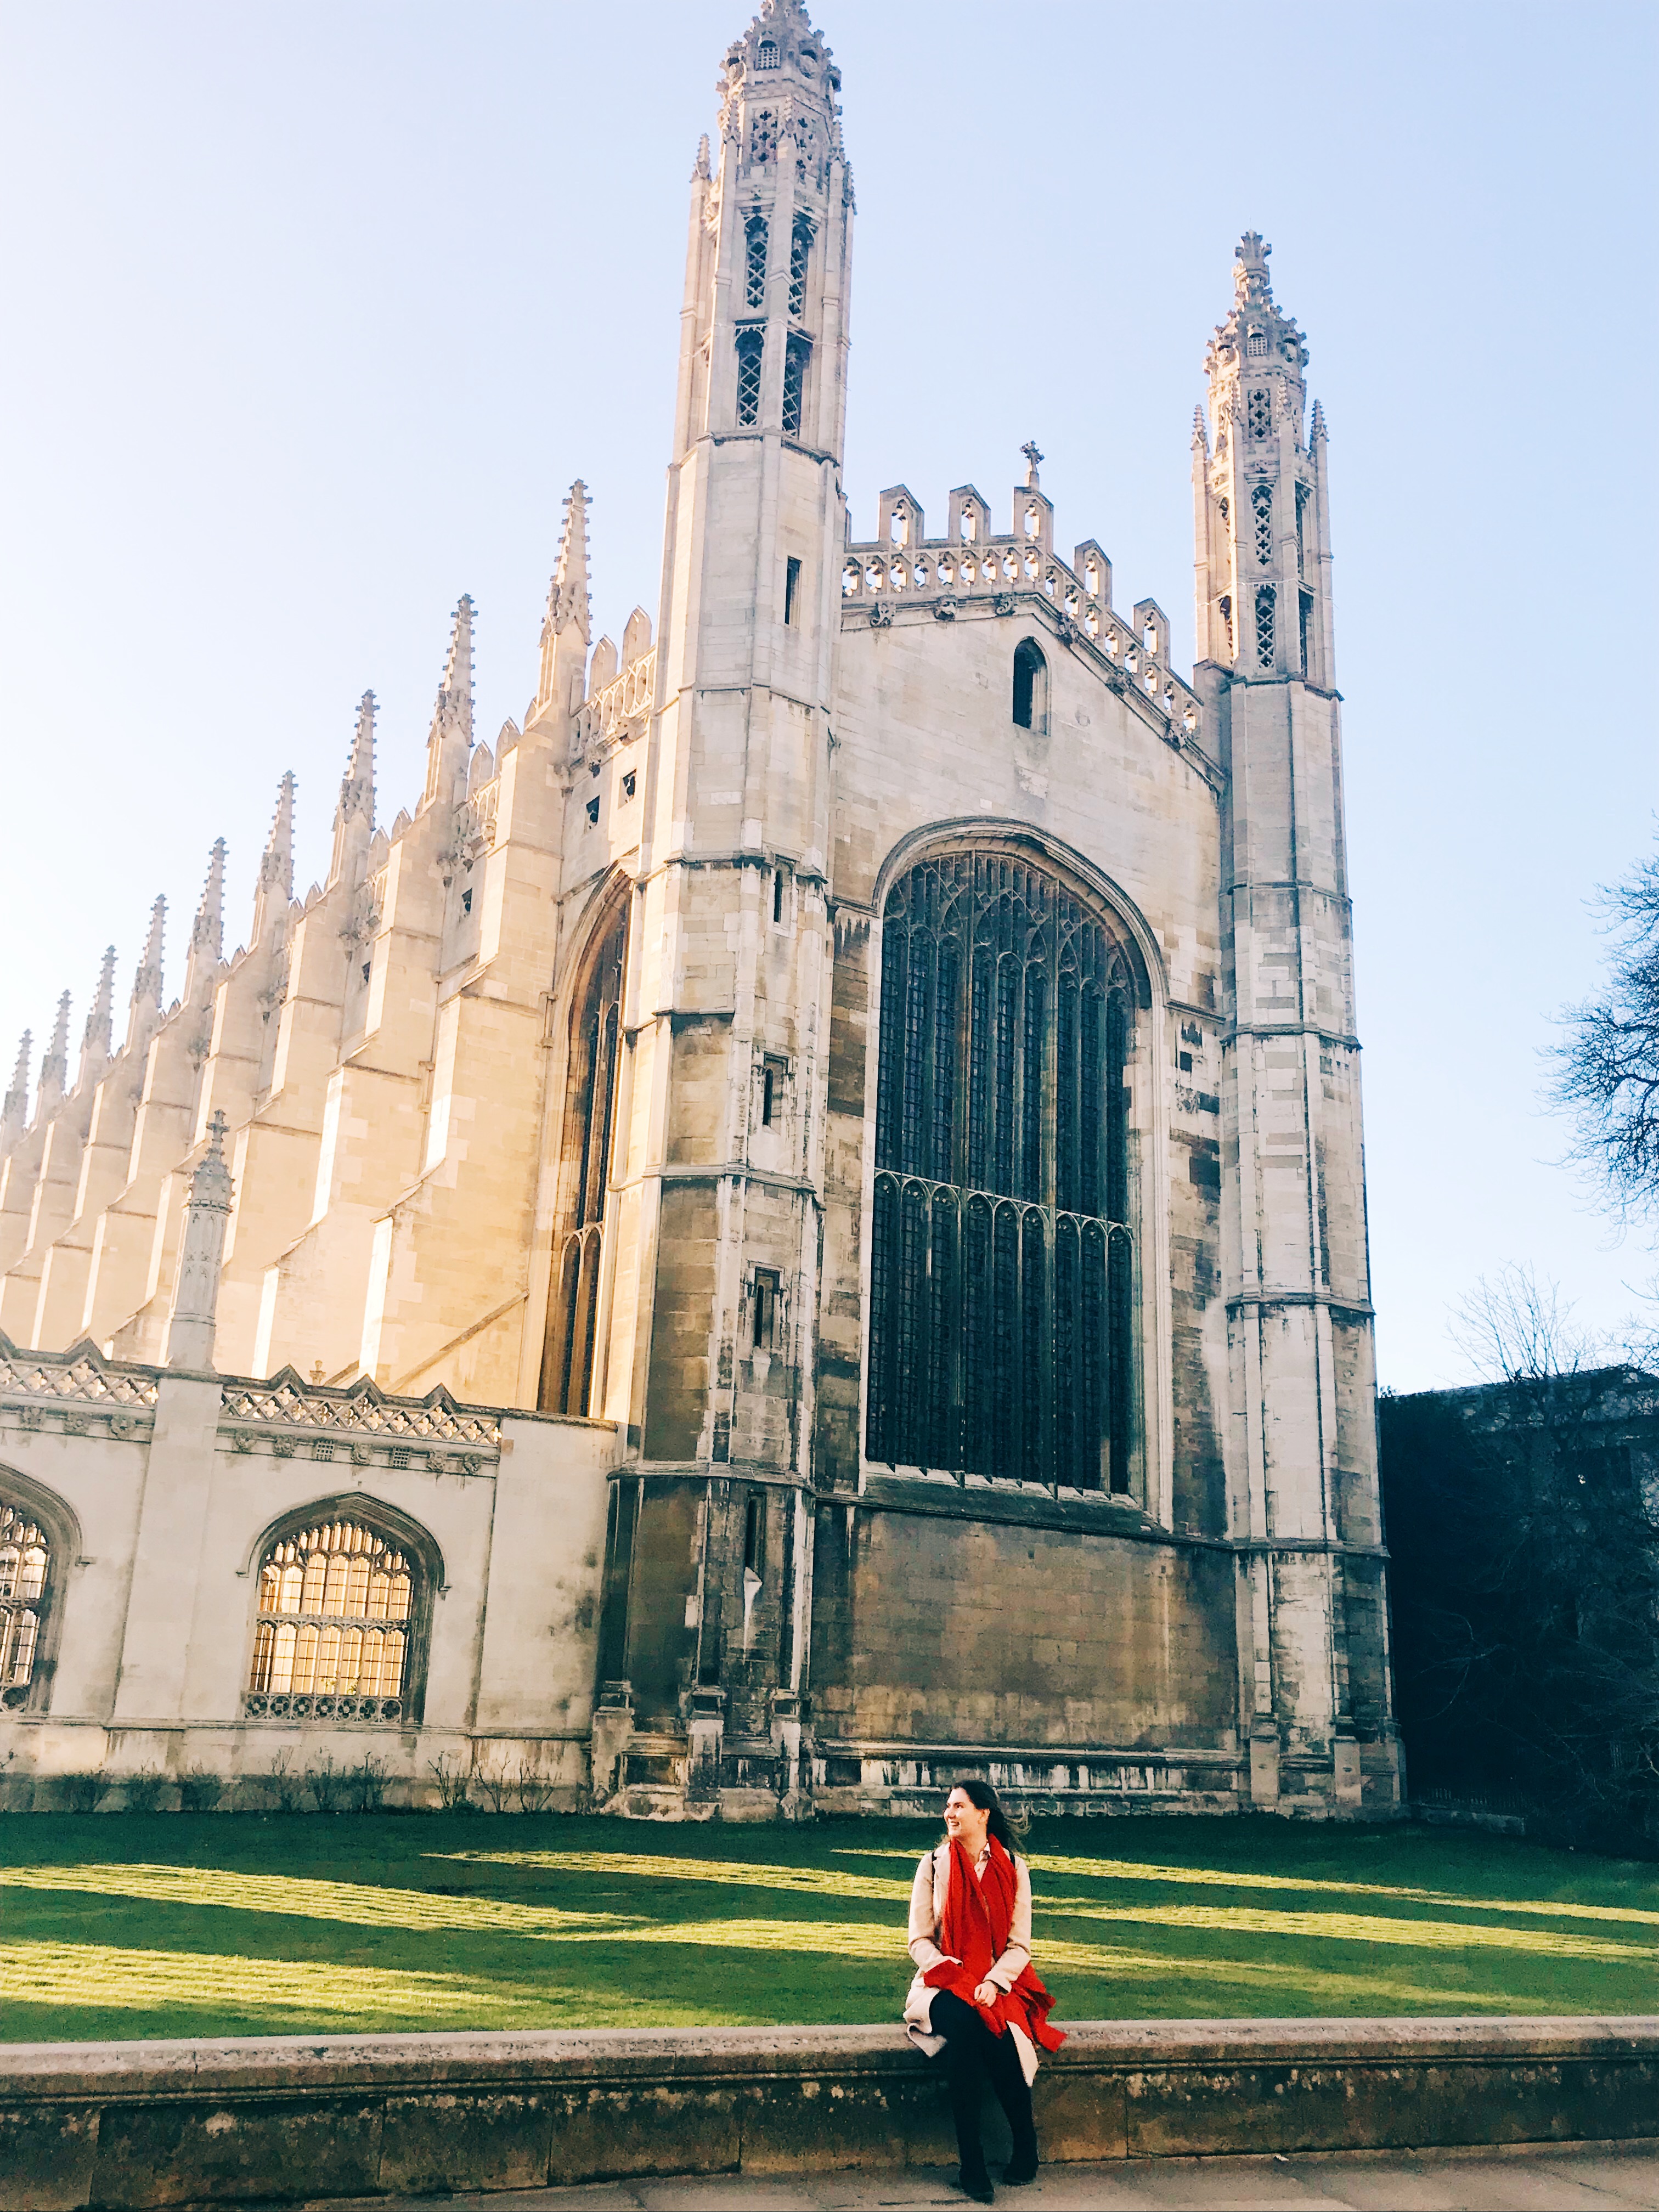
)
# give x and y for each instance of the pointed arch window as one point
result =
(25, 1563)
(1261, 506)
(754, 262)
(794, 385)
(568, 1357)
(752, 348)
(800, 256)
(339, 1634)
(1267, 648)
(1004, 1255)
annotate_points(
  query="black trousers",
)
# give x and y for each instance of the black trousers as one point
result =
(971, 2056)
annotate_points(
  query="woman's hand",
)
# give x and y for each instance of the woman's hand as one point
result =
(987, 1993)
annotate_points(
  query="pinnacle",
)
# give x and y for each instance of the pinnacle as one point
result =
(567, 595)
(357, 784)
(701, 172)
(147, 983)
(276, 866)
(95, 1038)
(207, 931)
(17, 1091)
(54, 1067)
(1201, 434)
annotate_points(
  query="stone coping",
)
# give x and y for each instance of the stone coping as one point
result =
(290, 2065)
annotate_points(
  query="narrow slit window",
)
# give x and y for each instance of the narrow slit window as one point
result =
(791, 589)
(752, 346)
(766, 1308)
(777, 894)
(467, 902)
(753, 1532)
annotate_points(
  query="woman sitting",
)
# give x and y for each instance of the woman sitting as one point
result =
(975, 1997)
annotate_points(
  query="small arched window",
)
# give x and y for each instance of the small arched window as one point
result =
(573, 1319)
(25, 1558)
(341, 1605)
(1030, 686)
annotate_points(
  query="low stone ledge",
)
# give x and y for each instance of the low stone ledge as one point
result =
(231, 2120)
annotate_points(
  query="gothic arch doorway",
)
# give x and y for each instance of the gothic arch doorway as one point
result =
(571, 1350)
(1004, 1255)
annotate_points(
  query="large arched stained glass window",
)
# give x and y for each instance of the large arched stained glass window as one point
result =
(1003, 1256)
(568, 1357)
(24, 1555)
(332, 1640)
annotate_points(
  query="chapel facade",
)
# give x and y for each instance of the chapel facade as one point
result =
(812, 1192)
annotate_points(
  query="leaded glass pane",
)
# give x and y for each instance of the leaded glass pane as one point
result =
(1000, 1326)
(330, 1662)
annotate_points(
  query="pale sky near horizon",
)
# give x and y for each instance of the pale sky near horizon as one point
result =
(313, 311)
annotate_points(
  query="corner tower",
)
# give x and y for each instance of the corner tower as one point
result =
(709, 1353)
(1303, 1498)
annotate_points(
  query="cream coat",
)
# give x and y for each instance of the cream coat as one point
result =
(928, 1895)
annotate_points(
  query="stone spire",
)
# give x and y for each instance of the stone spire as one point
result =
(568, 623)
(54, 1067)
(16, 1112)
(353, 817)
(200, 1254)
(451, 738)
(207, 931)
(275, 889)
(145, 1006)
(97, 1037)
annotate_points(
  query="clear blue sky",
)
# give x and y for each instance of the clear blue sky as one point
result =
(312, 312)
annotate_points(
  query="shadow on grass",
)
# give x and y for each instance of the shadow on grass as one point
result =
(129, 1926)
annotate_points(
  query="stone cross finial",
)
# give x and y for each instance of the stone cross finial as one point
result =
(1032, 458)
(201, 1255)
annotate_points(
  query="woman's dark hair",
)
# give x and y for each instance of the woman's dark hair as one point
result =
(1007, 1830)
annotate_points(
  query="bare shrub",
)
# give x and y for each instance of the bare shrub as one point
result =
(330, 1784)
(535, 1789)
(287, 1789)
(366, 1784)
(141, 1791)
(82, 1792)
(454, 1783)
(200, 1789)
(497, 1783)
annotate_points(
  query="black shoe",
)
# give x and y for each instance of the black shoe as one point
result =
(1021, 2168)
(975, 2182)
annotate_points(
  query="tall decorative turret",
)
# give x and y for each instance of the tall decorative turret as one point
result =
(200, 1254)
(1303, 1481)
(97, 1037)
(354, 814)
(1263, 561)
(708, 1357)
(450, 739)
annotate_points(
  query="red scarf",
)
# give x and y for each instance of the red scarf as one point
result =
(979, 1910)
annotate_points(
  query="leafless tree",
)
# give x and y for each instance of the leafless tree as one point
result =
(1515, 1327)
(1607, 1065)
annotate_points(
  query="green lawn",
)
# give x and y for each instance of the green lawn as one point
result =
(118, 1926)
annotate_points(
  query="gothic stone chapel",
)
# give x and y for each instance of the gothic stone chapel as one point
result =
(799, 1224)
